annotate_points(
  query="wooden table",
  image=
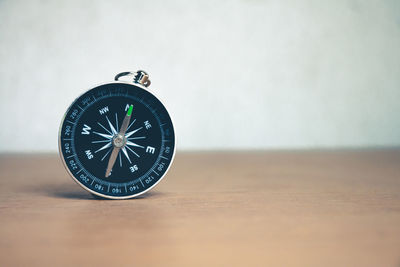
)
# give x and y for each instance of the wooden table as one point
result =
(294, 208)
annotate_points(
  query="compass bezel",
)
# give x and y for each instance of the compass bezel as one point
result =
(107, 196)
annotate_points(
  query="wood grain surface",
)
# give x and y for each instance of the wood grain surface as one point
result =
(293, 208)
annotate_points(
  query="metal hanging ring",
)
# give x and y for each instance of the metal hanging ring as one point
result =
(127, 73)
(140, 77)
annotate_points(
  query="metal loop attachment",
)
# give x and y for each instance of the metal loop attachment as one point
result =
(140, 77)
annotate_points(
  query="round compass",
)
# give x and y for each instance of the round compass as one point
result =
(117, 140)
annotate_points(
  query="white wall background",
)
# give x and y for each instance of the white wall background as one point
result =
(234, 74)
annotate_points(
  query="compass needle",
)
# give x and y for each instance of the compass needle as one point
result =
(117, 139)
(111, 161)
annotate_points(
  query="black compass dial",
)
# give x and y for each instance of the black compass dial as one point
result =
(117, 140)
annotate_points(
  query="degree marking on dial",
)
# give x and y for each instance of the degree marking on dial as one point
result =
(71, 156)
(80, 107)
(79, 171)
(163, 157)
(132, 132)
(155, 172)
(71, 122)
(141, 182)
(67, 139)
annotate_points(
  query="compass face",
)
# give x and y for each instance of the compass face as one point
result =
(117, 140)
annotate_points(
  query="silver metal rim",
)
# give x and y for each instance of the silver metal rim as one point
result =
(88, 189)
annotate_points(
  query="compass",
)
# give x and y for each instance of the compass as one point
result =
(117, 139)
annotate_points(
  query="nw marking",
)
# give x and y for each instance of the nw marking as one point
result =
(103, 110)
